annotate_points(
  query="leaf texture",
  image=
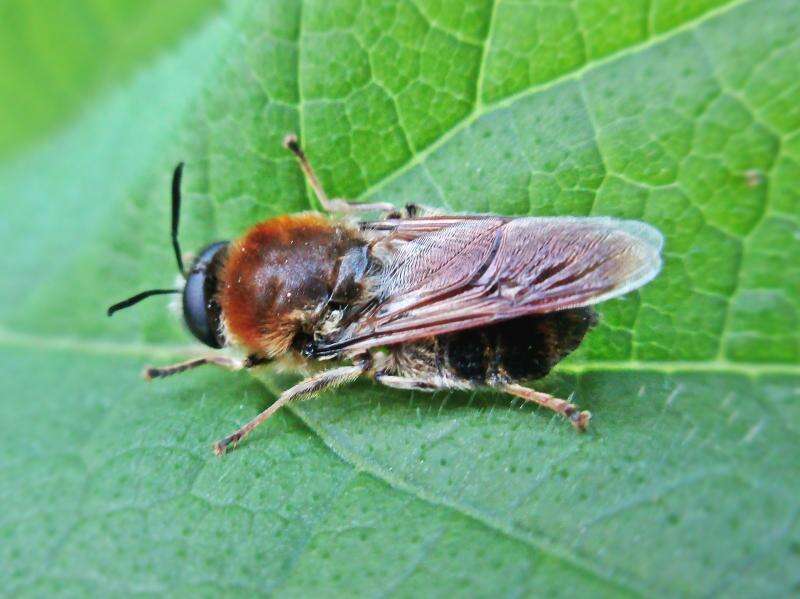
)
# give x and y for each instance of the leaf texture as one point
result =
(680, 114)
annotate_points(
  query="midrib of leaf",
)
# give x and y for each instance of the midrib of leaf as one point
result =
(18, 339)
(479, 108)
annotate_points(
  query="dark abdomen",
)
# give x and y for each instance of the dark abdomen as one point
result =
(523, 348)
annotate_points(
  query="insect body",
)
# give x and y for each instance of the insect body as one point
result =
(414, 300)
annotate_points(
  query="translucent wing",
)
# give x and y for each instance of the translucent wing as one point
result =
(449, 273)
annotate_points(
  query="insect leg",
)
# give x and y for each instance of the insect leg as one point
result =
(570, 411)
(223, 361)
(164, 371)
(307, 388)
(430, 383)
(401, 382)
(330, 205)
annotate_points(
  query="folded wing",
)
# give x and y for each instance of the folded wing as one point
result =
(449, 273)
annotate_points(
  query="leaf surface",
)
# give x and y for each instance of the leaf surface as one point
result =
(681, 114)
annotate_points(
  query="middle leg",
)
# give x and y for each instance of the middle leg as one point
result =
(307, 388)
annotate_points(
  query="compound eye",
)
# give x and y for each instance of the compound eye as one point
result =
(200, 308)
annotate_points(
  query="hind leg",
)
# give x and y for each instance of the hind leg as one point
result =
(578, 419)
(329, 204)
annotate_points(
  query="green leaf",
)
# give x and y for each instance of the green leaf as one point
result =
(54, 56)
(682, 114)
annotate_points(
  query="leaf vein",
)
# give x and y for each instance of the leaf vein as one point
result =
(588, 67)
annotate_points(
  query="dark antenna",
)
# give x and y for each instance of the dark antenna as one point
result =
(176, 217)
(139, 297)
(176, 214)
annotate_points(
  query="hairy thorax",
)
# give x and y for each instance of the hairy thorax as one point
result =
(280, 277)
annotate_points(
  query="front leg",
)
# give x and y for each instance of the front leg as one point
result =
(232, 364)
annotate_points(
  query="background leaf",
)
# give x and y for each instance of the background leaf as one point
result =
(55, 56)
(682, 114)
